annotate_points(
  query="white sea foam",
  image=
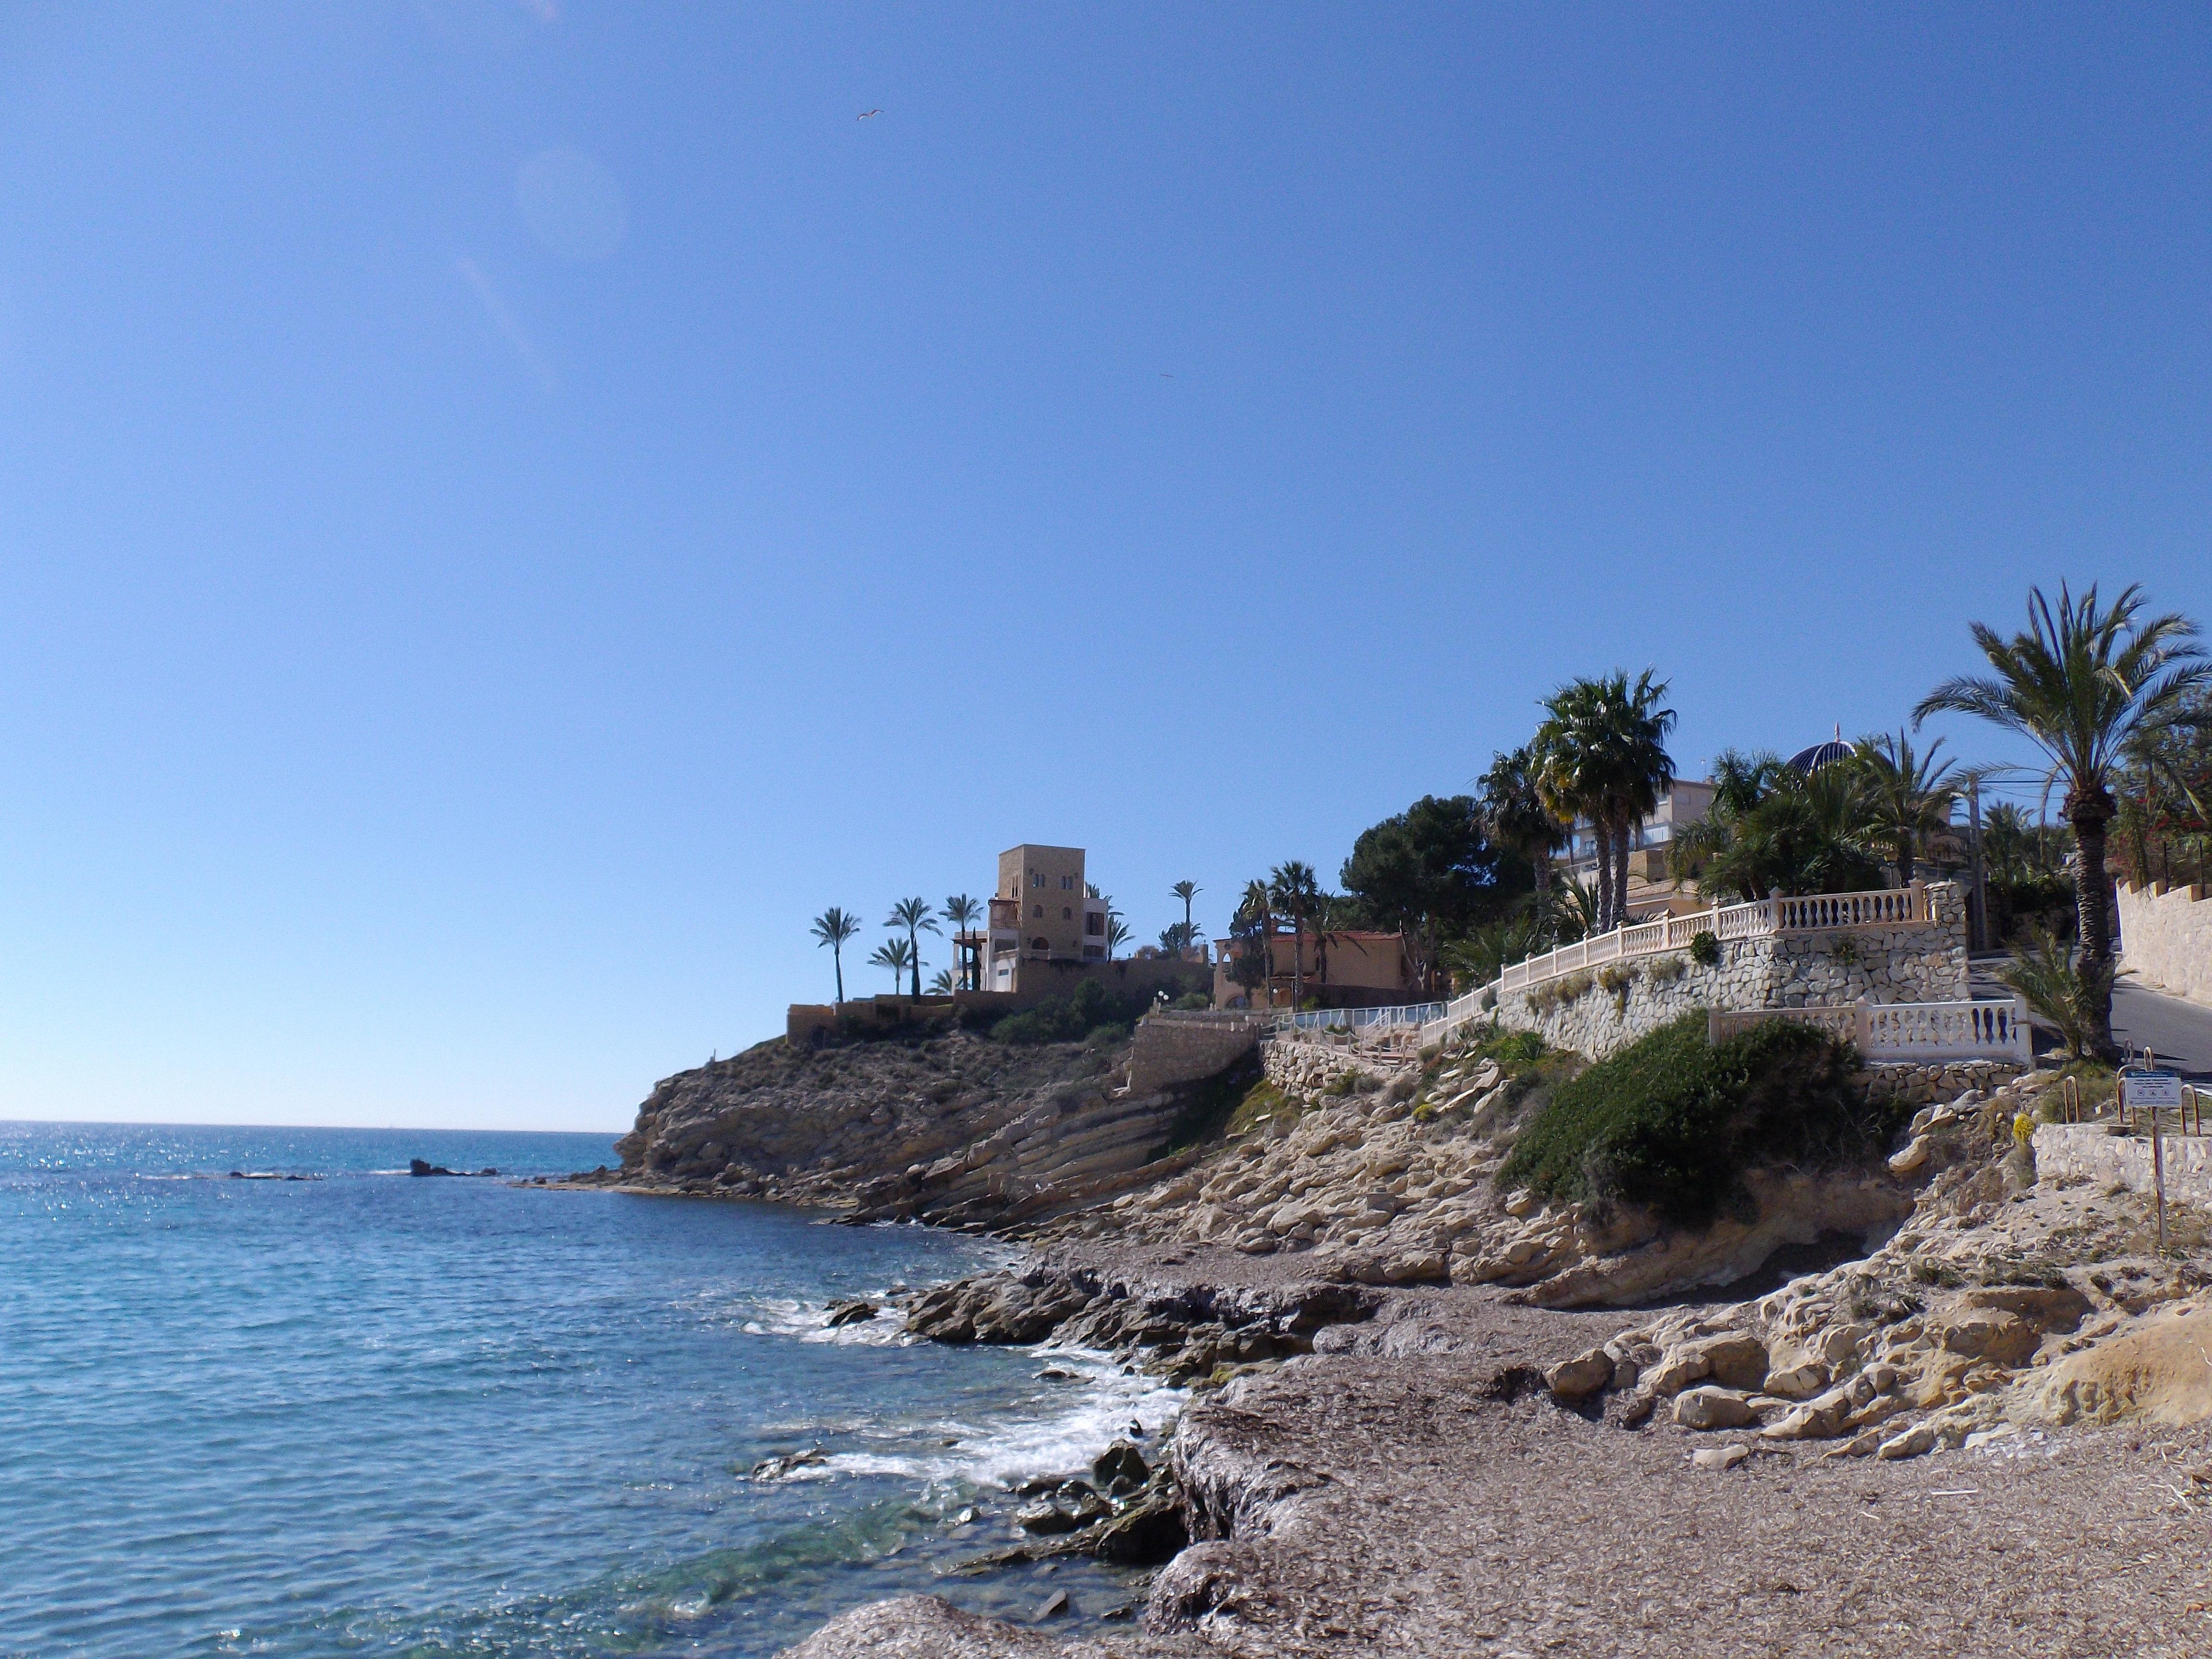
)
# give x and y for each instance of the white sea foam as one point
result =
(1057, 1431)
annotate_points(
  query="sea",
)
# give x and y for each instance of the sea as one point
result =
(362, 1413)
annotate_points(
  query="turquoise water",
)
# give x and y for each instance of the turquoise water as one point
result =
(371, 1415)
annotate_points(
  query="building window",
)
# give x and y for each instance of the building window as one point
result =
(1093, 922)
(1067, 883)
(1036, 912)
(1039, 945)
(1037, 879)
(1066, 915)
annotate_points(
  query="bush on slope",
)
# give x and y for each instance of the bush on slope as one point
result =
(1672, 1121)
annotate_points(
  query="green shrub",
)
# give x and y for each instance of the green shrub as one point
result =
(1705, 948)
(1667, 970)
(1234, 1102)
(1514, 1051)
(1194, 1002)
(1575, 984)
(1672, 1122)
(1083, 1013)
(1617, 977)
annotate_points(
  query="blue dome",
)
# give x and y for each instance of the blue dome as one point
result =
(1809, 760)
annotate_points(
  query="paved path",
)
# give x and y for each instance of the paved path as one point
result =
(2180, 1033)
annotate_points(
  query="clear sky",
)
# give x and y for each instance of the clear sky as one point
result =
(508, 509)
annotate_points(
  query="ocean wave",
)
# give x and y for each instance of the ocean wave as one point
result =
(1058, 1430)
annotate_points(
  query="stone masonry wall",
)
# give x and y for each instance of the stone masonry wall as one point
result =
(1610, 1006)
(2166, 938)
(2093, 1152)
(1174, 1048)
(1308, 1071)
(1936, 1083)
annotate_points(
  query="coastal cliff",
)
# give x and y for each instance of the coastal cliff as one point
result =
(1442, 1402)
(946, 1127)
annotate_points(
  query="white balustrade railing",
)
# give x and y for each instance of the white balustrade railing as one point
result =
(1895, 906)
(1891, 1032)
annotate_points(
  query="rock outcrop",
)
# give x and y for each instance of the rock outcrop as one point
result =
(1392, 1182)
(953, 1128)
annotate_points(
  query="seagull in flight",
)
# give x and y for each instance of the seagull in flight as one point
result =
(865, 113)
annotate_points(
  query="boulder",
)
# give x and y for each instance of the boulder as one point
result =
(2157, 1370)
(1147, 1534)
(1799, 1381)
(1818, 1419)
(775, 1468)
(1119, 1461)
(1708, 1408)
(1991, 1334)
(2047, 1308)
(1735, 1360)
(1911, 1444)
(856, 1312)
(1678, 1368)
(1911, 1159)
(1720, 1457)
(1044, 1519)
(1580, 1378)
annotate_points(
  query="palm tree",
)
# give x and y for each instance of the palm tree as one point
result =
(2079, 684)
(1740, 782)
(834, 928)
(1255, 912)
(913, 915)
(1187, 890)
(1117, 933)
(1515, 814)
(964, 913)
(1909, 797)
(1600, 754)
(2043, 972)
(942, 985)
(1292, 886)
(1564, 759)
(1807, 833)
(895, 954)
(1642, 768)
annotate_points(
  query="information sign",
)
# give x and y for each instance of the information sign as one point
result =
(2147, 1090)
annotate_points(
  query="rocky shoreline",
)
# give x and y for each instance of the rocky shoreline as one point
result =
(1951, 1409)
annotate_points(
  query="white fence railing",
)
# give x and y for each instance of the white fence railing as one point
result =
(1896, 907)
(1359, 1021)
(1905, 1031)
(1893, 906)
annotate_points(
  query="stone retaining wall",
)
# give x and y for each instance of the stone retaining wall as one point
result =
(1174, 1048)
(2094, 1153)
(1608, 1008)
(1311, 1070)
(1936, 1083)
(2166, 938)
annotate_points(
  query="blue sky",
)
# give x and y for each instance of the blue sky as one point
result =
(508, 509)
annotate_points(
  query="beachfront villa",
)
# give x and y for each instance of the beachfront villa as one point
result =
(1043, 911)
(1336, 968)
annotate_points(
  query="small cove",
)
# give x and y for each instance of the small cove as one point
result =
(375, 1414)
